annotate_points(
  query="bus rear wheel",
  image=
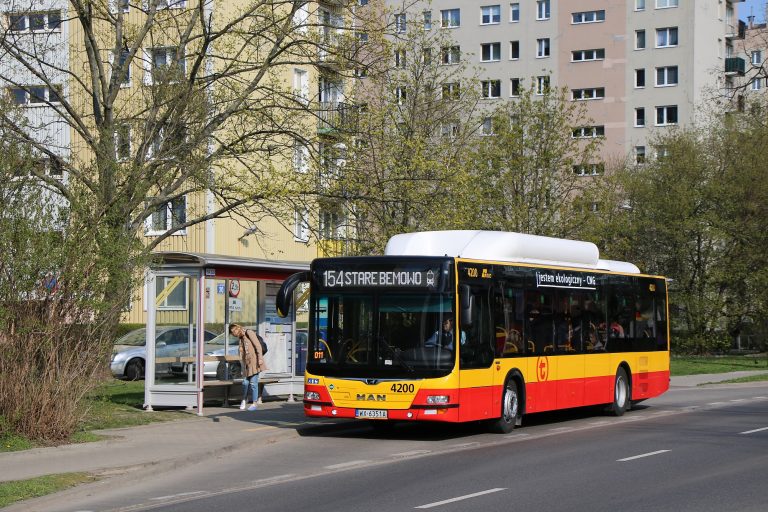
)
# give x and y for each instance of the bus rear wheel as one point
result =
(620, 393)
(510, 409)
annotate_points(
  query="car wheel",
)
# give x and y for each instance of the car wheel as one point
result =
(134, 370)
(235, 372)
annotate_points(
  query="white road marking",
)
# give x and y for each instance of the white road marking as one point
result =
(761, 397)
(643, 455)
(179, 495)
(753, 431)
(411, 453)
(739, 400)
(716, 403)
(460, 498)
(347, 464)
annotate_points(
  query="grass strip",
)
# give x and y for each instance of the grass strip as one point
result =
(19, 490)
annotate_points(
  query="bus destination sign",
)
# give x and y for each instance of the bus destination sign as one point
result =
(397, 278)
(556, 279)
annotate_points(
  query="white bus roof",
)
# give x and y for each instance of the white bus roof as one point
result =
(505, 246)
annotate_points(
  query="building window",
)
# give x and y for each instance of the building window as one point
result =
(301, 85)
(400, 94)
(450, 18)
(587, 17)
(542, 48)
(666, 37)
(756, 84)
(126, 78)
(588, 169)
(639, 39)
(171, 4)
(35, 95)
(584, 55)
(490, 52)
(451, 91)
(490, 14)
(542, 10)
(514, 86)
(663, 4)
(451, 55)
(427, 20)
(594, 93)
(163, 60)
(666, 115)
(171, 215)
(487, 127)
(300, 157)
(588, 132)
(756, 57)
(331, 223)
(514, 12)
(123, 5)
(301, 225)
(491, 88)
(639, 5)
(35, 22)
(123, 142)
(639, 154)
(176, 300)
(514, 50)
(401, 23)
(449, 129)
(542, 85)
(640, 117)
(639, 78)
(666, 76)
(400, 59)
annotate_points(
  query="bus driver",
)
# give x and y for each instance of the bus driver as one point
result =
(445, 337)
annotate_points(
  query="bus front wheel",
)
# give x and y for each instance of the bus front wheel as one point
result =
(620, 393)
(510, 409)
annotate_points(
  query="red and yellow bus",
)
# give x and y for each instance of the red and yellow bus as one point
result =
(459, 326)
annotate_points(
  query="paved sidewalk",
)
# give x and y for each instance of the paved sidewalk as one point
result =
(162, 445)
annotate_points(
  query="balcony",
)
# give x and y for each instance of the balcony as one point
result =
(735, 66)
(736, 31)
(337, 117)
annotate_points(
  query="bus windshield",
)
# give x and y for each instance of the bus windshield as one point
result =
(380, 335)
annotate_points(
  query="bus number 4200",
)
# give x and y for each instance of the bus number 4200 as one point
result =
(401, 388)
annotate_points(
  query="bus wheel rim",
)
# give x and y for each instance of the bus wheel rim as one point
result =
(510, 405)
(621, 392)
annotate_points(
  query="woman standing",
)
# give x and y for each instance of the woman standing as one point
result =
(251, 361)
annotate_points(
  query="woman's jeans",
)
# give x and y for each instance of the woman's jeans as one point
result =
(253, 381)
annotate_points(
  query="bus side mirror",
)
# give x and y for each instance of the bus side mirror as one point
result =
(467, 303)
(284, 297)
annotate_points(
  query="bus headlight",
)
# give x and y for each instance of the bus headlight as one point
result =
(437, 399)
(312, 395)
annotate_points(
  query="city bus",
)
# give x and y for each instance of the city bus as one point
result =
(465, 326)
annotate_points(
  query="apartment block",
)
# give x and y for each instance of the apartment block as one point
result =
(639, 66)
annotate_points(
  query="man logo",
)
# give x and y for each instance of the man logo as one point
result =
(372, 398)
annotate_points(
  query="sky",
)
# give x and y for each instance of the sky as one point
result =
(756, 7)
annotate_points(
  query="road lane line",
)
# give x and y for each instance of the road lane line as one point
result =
(739, 400)
(460, 498)
(643, 455)
(716, 403)
(348, 464)
(753, 431)
(411, 453)
(179, 495)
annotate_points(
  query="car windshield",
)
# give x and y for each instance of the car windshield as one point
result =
(135, 338)
(381, 335)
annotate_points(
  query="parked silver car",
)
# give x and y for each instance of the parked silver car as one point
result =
(129, 354)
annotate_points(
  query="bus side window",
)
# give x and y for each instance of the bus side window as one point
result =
(478, 350)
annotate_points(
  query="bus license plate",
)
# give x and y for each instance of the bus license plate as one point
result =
(371, 414)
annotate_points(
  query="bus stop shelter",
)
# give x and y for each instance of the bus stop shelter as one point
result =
(187, 365)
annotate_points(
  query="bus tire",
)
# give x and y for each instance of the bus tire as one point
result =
(510, 409)
(621, 396)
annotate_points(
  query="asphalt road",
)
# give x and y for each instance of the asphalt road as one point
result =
(695, 449)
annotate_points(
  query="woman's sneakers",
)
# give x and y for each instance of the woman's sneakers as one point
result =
(242, 405)
(252, 407)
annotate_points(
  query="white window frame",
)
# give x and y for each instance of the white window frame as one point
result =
(543, 48)
(450, 55)
(512, 82)
(492, 13)
(756, 57)
(667, 32)
(640, 154)
(583, 17)
(665, 72)
(450, 91)
(666, 4)
(543, 10)
(588, 169)
(486, 127)
(170, 53)
(401, 94)
(638, 110)
(588, 55)
(639, 5)
(164, 306)
(495, 56)
(638, 34)
(301, 225)
(756, 84)
(588, 94)
(123, 130)
(514, 12)
(542, 83)
(300, 157)
(427, 20)
(149, 225)
(301, 85)
(13, 18)
(512, 45)
(487, 88)
(588, 132)
(36, 100)
(401, 23)
(666, 109)
(448, 20)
